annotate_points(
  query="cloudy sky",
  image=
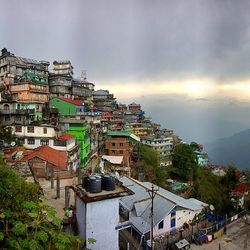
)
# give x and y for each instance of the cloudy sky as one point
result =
(187, 62)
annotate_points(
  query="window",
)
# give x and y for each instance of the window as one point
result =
(113, 151)
(45, 131)
(121, 144)
(6, 107)
(121, 152)
(7, 118)
(30, 129)
(113, 144)
(161, 224)
(18, 118)
(44, 142)
(31, 141)
(18, 128)
(173, 214)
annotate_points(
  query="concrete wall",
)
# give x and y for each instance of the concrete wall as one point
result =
(166, 227)
(65, 108)
(98, 220)
(119, 147)
(38, 132)
(182, 216)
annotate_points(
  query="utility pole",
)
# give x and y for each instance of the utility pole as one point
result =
(152, 192)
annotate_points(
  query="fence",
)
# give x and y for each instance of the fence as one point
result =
(197, 233)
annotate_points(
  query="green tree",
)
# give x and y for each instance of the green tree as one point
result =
(6, 134)
(25, 221)
(184, 162)
(149, 165)
(230, 179)
(208, 188)
(194, 145)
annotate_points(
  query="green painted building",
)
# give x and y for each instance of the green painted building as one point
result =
(82, 134)
(67, 106)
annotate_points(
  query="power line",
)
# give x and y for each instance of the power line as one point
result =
(152, 192)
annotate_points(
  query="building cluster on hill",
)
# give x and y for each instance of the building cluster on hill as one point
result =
(54, 125)
(56, 111)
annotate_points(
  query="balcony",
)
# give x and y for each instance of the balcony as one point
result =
(35, 90)
(17, 112)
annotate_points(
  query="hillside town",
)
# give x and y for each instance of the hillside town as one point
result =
(116, 178)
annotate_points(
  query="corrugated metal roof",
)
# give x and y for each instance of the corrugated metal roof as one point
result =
(139, 204)
(180, 201)
(113, 159)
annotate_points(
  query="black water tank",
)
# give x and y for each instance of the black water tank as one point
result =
(85, 182)
(108, 182)
(95, 184)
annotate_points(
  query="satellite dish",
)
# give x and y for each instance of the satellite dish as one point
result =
(211, 207)
(13, 144)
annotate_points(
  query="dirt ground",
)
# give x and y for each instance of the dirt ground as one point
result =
(51, 194)
(237, 237)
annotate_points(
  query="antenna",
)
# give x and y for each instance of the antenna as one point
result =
(83, 76)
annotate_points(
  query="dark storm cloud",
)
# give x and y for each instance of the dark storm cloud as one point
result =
(133, 40)
(145, 42)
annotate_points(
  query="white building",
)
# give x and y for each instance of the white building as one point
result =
(97, 216)
(33, 137)
(36, 136)
(162, 145)
(170, 211)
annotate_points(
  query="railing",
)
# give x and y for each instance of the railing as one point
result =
(17, 111)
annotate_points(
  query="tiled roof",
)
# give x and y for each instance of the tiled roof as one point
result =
(65, 137)
(75, 102)
(241, 188)
(53, 156)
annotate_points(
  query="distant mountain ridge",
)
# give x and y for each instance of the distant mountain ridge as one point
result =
(234, 149)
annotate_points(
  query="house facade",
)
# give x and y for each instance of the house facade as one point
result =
(12, 66)
(97, 216)
(82, 134)
(163, 146)
(170, 211)
(121, 143)
(67, 106)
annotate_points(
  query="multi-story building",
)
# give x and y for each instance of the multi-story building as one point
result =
(67, 106)
(12, 67)
(93, 208)
(104, 101)
(82, 89)
(82, 134)
(138, 129)
(134, 108)
(17, 113)
(163, 146)
(121, 143)
(60, 85)
(202, 158)
(63, 68)
(61, 78)
(33, 137)
(30, 87)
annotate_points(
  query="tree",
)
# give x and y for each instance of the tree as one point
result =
(230, 179)
(208, 188)
(184, 162)
(149, 165)
(25, 221)
(6, 134)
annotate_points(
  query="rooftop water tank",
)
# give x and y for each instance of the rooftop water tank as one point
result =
(108, 182)
(94, 184)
